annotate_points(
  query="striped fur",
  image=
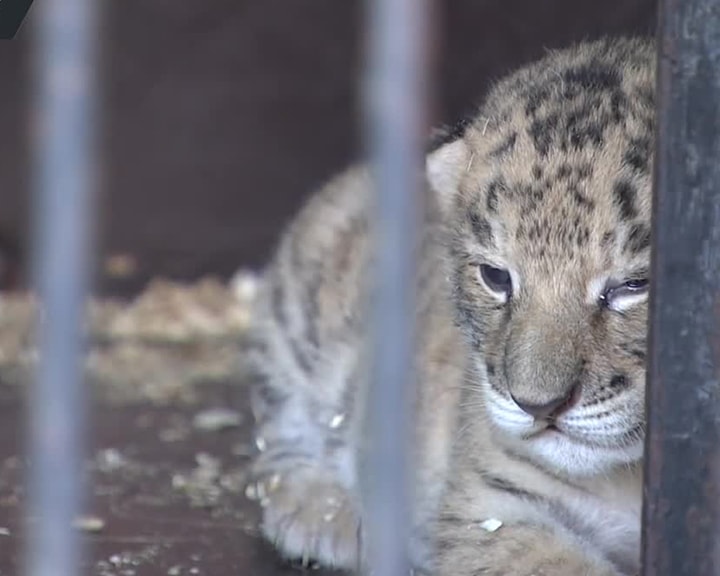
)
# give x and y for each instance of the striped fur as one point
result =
(550, 181)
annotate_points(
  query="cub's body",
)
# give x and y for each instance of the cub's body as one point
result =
(530, 335)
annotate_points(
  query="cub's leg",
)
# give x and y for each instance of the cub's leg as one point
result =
(308, 333)
(466, 549)
(304, 475)
(489, 525)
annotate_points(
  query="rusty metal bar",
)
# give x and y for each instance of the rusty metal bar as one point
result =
(681, 517)
(396, 115)
(63, 180)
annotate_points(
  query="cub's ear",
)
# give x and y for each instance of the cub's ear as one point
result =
(444, 168)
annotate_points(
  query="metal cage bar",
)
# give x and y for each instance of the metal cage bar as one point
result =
(396, 110)
(681, 515)
(63, 182)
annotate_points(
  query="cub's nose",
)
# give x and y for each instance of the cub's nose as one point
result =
(551, 409)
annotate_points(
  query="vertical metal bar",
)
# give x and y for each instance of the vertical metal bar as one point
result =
(682, 470)
(396, 115)
(63, 183)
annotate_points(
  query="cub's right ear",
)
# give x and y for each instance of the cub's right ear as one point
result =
(444, 168)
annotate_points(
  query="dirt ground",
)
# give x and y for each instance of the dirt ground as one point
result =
(169, 438)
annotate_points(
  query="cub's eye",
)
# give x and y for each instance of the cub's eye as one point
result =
(497, 279)
(636, 285)
(628, 289)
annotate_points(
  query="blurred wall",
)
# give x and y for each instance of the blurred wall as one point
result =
(222, 115)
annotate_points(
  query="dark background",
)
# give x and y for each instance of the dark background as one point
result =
(220, 116)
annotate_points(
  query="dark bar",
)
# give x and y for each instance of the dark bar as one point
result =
(63, 180)
(396, 121)
(681, 516)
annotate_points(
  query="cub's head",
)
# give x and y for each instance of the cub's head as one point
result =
(547, 195)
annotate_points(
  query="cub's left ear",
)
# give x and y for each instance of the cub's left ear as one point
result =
(444, 168)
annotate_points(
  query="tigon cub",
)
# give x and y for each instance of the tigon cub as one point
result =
(531, 339)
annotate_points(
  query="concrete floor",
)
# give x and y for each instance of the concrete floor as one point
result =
(164, 514)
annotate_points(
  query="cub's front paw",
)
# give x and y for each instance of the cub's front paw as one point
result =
(308, 516)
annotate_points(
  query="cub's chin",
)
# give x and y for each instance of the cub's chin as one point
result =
(566, 446)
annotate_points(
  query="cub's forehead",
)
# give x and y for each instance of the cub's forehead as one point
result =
(560, 157)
